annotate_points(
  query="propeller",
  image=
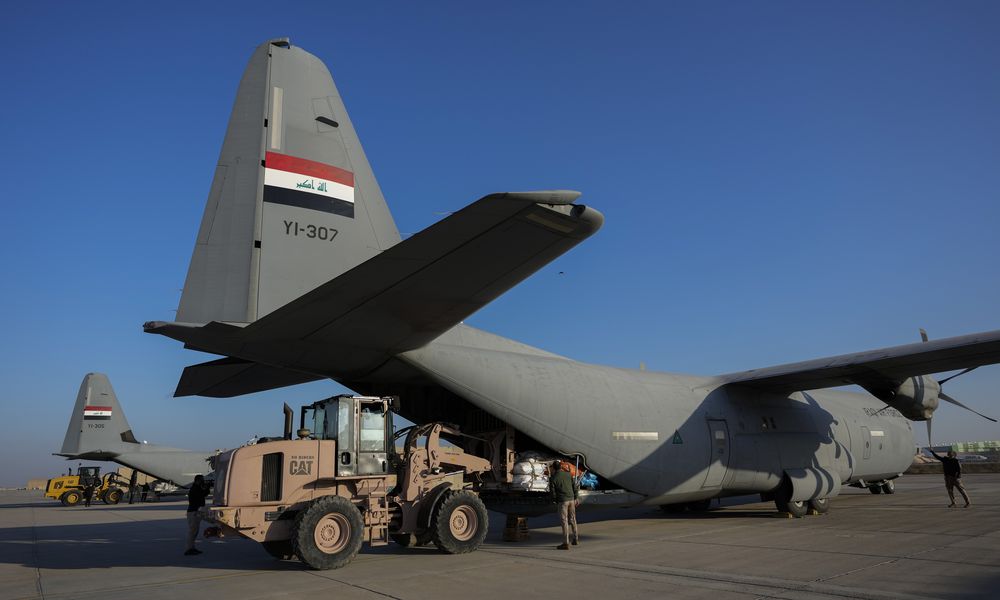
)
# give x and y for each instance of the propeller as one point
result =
(946, 397)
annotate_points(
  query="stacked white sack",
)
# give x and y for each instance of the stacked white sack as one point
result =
(529, 476)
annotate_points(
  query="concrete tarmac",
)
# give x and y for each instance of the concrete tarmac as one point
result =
(907, 545)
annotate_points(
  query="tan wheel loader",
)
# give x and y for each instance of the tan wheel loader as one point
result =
(342, 483)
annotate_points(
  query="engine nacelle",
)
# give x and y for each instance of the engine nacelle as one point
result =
(916, 398)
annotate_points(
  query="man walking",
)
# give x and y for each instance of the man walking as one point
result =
(196, 500)
(952, 476)
(566, 496)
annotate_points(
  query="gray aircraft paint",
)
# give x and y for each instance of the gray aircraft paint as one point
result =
(387, 320)
(98, 430)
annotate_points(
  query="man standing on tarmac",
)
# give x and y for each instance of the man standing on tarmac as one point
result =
(567, 499)
(196, 500)
(88, 493)
(952, 476)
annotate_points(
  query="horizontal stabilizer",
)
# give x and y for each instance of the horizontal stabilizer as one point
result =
(420, 288)
(875, 370)
(404, 297)
(228, 377)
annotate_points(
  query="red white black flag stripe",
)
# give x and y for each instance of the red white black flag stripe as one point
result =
(308, 184)
(96, 413)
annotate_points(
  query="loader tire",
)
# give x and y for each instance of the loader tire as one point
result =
(281, 550)
(328, 533)
(460, 523)
(71, 498)
(112, 496)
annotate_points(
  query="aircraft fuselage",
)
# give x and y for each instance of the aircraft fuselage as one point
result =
(670, 437)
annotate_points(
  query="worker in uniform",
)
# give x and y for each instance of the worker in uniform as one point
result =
(567, 499)
(952, 476)
(196, 500)
(88, 493)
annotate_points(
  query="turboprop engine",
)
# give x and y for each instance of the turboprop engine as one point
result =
(917, 398)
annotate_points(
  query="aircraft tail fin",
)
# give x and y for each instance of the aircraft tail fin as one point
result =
(293, 203)
(98, 429)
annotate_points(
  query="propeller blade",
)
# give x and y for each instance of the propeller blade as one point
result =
(948, 398)
(929, 443)
(956, 375)
(923, 334)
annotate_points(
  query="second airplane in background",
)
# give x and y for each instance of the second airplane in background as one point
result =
(98, 430)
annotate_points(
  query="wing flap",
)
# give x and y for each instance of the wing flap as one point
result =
(885, 368)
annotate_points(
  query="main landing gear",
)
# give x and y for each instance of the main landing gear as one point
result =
(798, 508)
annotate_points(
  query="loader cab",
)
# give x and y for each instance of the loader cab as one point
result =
(362, 428)
(89, 475)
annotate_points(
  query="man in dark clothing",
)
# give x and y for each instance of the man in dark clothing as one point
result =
(196, 500)
(952, 476)
(88, 493)
(566, 495)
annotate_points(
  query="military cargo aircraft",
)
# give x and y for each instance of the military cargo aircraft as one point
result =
(299, 274)
(98, 430)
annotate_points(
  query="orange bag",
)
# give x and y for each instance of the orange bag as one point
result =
(566, 466)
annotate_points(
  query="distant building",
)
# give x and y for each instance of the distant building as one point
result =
(36, 484)
(977, 447)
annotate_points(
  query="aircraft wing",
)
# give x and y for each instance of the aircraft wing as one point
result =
(876, 370)
(398, 300)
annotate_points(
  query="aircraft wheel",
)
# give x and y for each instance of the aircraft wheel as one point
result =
(784, 503)
(889, 487)
(875, 489)
(411, 540)
(819, 506)
(459, 523)
(282, 550)
(328, 533)
(112, 496)
(425, 537)
(71, 498)
(795, 508)
(405, 540)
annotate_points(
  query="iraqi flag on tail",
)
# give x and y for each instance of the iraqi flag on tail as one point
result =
(96, 413)
(308, 184)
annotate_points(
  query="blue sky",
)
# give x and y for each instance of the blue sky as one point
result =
(780, 181)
